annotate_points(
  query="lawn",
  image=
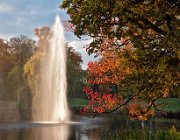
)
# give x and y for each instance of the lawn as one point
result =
(170, 104)
(77, 102)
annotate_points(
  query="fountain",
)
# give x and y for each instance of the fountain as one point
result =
(51, 103)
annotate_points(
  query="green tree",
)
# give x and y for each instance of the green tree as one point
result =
(74, 73)
(130, 18)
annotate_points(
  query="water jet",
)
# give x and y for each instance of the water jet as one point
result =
(51, 104)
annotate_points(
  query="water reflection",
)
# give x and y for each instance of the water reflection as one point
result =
(54, 133)
(34, 131)
(104, 128)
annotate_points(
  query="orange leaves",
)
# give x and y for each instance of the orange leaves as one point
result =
(100, 103)
(139, 111)
(111, 101)
(110, 68)
(104, 71)
(107, 102)
(166, 91)
(98, 109)
(104, 75)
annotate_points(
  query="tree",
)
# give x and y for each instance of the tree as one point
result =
(130, 18)
(23, 47)
(105, 90)
(74, 73)
(32, 69)
(154, 37)
(7, 57)
(111, 67)
(13, 86)
(7, 62)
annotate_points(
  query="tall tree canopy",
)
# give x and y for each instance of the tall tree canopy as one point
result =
(152, 27)
(130, 18)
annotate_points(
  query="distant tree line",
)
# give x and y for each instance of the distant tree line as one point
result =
(20, 65)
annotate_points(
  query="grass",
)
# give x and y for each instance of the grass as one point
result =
(170, 104)
(77, 102)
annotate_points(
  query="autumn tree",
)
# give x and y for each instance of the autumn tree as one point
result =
(7, 57)
(7, 62)
(23, 47)
(154, 37)
(105, 90)
(32, 69)
(13, 54)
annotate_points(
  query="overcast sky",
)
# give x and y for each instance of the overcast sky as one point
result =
(21, 17)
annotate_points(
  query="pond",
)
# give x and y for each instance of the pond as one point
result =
(109, 127)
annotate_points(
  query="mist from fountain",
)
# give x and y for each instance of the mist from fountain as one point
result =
(51, 103)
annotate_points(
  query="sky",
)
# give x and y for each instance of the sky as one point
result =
(21, 17)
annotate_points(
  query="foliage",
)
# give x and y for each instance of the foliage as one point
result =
(7, 62)
(75, 74)
(7, 58)
(15, 82)
(105, 90)
(32, 73)
(152, 68)
(171, 134)
(23, 47)
(32, 69)
(112, 66)
(13, 54)
(141, 134)
(130, 18)
(175, 91)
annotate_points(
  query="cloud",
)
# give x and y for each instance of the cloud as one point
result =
(6, 8)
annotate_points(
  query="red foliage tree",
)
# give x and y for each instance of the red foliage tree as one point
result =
(116, 62)
(103, 78)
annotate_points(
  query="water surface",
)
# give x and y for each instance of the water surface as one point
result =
(84, 128)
